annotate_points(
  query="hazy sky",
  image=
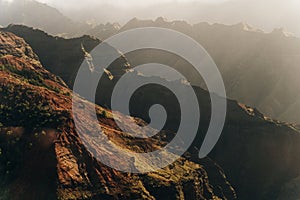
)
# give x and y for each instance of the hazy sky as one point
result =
(263, 14)
(122, 3)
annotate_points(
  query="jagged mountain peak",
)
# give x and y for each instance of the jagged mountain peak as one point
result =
(245, 27)
(161, 20)
(281, 32)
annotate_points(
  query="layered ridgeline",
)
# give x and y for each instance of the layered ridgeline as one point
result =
(259, 69)
(36, 14)
(42, 156)
(258, 155)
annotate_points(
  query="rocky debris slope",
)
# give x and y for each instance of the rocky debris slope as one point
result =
(42, 156)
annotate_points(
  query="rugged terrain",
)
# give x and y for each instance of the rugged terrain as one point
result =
(259, 155)
(42, 156)
(242, 53)
(258, 68)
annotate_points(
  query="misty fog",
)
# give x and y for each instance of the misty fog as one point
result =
(266, 15)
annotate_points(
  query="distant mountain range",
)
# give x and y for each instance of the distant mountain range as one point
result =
(258, 155)
(259, 69)
(39, 15)
(266, 15)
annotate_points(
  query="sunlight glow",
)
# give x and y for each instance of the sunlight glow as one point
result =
(128, 3)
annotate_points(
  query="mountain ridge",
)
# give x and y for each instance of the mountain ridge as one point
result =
(249, 146)
(42, 156)
(244, 56)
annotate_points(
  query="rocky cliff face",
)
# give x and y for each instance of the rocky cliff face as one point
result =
(42, 156)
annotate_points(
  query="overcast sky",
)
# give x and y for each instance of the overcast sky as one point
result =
(121, 3)
(264, 14)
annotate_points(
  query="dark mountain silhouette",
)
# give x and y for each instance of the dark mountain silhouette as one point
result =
(39, 15)
(259, 155)
(42, 156)
(259, 69)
